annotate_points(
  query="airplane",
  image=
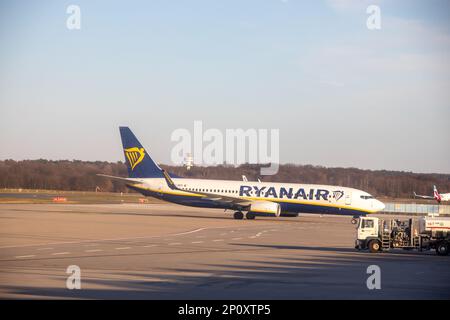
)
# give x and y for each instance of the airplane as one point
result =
(439, 197)
(252, 198)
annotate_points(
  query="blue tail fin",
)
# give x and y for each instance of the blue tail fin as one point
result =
(139, 163)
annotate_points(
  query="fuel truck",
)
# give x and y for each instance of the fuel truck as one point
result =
(424, 233)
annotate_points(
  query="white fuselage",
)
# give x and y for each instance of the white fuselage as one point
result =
(293, 198)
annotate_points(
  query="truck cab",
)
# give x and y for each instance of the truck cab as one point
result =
(368, 234)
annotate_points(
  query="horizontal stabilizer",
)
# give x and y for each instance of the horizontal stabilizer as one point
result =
(133, 180)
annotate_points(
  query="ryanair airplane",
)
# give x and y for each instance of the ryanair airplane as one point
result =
(252, 198)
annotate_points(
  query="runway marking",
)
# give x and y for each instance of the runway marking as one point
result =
(258, 234)
(175, 244)
(111, 239)
(41, 249)
(252, 237)
(59, 253)
(119, 239)
(197, 242)
(93, 250)
(236, 239)
(149, 246)
(123, 248)
(28, 256)
(217, 240)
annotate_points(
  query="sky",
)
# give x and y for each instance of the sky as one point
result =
(340, 94)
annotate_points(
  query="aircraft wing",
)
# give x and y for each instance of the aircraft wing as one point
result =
(209, 196)
(422, 197)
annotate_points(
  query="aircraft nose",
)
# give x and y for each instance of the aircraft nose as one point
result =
(379, 205)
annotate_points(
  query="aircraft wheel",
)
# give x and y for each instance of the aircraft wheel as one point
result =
(238, 215)
(250, 216)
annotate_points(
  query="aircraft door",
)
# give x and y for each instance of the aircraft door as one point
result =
(348, 198)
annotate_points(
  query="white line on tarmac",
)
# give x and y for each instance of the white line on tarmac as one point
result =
(197, 242)
(41, 249)
(93, 250)
(123, 248)
(59, 253)
(236, 239)
(217, 240)
(149, 246)
(110, 239)
(22, 257)
(119, 239)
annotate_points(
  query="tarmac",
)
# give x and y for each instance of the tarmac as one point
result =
(166, 251)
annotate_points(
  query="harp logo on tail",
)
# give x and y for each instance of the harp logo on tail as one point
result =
(135, 156)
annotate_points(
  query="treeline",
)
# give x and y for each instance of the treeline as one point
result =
(81, 176)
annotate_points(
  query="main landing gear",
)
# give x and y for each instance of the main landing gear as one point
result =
(238, 215)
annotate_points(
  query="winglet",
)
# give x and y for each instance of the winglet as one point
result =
(169, 180)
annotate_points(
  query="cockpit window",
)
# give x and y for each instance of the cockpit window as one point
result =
(367, 197)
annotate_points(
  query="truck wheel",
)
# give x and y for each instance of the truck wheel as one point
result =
(442, 249)
(354, 221)
(374, 246)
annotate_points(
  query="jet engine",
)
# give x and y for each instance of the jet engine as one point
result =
(265, 208)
